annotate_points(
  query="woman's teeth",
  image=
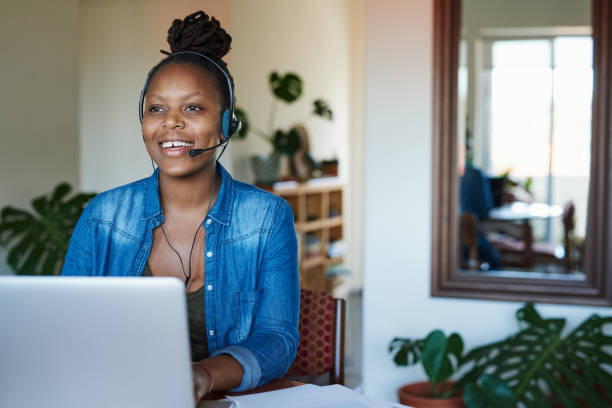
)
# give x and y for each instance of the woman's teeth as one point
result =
(175, 143)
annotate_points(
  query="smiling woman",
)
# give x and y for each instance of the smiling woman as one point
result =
(233, 245)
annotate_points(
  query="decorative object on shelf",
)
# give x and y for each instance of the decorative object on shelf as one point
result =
(538, 366)
(41, 238)
(292, 142)
(266, 168)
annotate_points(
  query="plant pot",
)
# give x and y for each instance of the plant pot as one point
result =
(266, 168)
(418, 395)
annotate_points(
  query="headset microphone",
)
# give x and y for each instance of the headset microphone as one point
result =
(197, 152)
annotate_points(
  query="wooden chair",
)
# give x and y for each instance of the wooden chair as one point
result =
(517, 246)
(547, 253)
(321, 327)
(468, 241)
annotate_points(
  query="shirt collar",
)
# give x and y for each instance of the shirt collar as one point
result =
(221, 211)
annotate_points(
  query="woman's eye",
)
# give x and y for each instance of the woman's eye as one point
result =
(194, 108)
(155, 108)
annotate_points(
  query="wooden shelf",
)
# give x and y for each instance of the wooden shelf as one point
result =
(321, 200)
(309, 226)
(313, 262)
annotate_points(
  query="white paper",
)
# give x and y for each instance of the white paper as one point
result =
(307, 396)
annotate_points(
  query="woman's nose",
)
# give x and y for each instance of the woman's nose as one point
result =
(173, 120)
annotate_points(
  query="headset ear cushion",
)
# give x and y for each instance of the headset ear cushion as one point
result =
(225, 124)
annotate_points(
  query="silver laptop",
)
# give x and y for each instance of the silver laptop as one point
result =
(94, 342)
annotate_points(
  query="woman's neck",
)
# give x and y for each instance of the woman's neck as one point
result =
(188, 194)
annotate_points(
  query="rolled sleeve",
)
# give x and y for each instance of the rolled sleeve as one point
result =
(252, 369)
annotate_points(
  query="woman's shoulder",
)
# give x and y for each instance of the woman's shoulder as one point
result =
(254, 203)
(248, 193)
(122, 201)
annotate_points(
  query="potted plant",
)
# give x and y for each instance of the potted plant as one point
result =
(38, 241)
(288, 89)
(535, 367)
(440, 357)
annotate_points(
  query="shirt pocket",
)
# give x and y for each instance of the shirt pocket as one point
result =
(246, 306)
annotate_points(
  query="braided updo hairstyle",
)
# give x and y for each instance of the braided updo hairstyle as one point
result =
(202, 34)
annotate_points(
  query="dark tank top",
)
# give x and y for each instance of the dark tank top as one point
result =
(197, 321)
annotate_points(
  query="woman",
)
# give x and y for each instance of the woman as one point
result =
(233, 244)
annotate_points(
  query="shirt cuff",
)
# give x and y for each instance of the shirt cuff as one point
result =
(252, 370)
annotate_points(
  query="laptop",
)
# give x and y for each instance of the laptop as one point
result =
(94, 342)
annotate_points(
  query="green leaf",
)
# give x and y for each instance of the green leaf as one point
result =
(34, 257)
(287, 142)
(322, 109)
(455, 346)
(61, 191)
(488, 392)
(38, 241)
(242, 116)
(571, 368)
(436, 356)
(406, 351)
(50, 265)
(287, 88)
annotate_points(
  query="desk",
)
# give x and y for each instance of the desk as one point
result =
(520, 211)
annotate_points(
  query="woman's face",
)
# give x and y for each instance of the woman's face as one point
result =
(182, 112)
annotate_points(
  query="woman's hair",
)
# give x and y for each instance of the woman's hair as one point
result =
(202, 34)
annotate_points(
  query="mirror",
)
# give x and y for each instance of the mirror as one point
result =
(521, 113)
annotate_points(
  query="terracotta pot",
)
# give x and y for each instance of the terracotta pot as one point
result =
(418, 395)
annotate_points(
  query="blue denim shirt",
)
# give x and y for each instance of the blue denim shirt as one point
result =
(251, 280)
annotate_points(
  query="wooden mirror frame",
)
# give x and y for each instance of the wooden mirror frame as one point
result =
(596, 289)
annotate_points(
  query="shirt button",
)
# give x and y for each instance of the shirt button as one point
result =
(208, 221)
(209, 288)
(211, 332)
(209, 254)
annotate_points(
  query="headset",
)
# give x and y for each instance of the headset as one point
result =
(229, 123)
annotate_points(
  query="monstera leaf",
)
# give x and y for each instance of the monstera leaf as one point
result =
(40, 240)
(287, 142)
(322, 109)
(406, 351)
(537, 363)
(287, 88)
(488, 392)
(242, 116)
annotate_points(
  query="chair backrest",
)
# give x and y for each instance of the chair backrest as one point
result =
(321, 327)
(468, 240)
(568, 231)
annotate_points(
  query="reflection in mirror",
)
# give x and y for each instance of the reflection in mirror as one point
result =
(524, 100)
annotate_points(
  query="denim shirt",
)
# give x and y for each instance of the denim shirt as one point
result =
(251, 280)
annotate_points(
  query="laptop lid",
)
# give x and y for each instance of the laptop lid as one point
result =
(94, 342)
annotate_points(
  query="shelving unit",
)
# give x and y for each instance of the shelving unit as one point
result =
(317, 209)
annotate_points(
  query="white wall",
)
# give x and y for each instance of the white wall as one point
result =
(39, 107)
(398, 204)
(119, 43)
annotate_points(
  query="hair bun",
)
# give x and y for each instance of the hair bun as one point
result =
(200, 33)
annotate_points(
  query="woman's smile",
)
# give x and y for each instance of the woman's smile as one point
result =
(176, 148)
